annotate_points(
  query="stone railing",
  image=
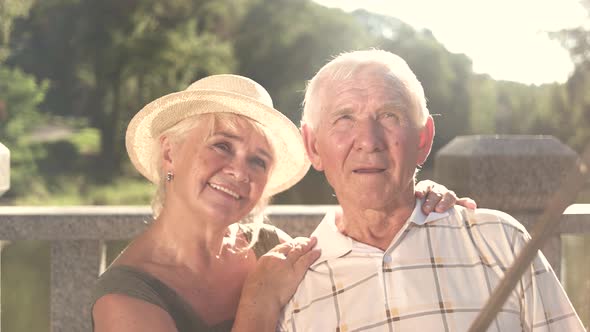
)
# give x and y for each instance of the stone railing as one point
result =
(78, 251)
(78, 234)
(514, 174)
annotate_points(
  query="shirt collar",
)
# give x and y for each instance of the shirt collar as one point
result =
(332, 243)
(335, 244)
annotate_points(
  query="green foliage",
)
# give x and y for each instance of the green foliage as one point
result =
(25, 286)
(20, 95)
(76, 190)
(109, 58)
(9, 11)
(576, 282)
(577, 41)
(283, 43)
(86, 141)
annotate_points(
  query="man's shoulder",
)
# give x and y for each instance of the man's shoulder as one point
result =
(481, 217)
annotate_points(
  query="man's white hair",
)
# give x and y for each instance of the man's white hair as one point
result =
(347, 65)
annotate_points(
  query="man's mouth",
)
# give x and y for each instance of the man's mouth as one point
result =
(230, 192)
(370, 170)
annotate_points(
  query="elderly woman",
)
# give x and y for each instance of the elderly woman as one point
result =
(218, 151)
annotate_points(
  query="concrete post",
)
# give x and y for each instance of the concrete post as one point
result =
(74, 269)
(4, 169)
(515, 174)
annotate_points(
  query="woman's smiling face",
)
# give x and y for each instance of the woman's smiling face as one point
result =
(220, 171)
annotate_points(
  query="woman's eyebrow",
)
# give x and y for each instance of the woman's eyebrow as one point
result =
(228, 135)
(235, 137)
(265, 153)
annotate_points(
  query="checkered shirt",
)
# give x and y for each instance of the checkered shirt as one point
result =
(436, 275)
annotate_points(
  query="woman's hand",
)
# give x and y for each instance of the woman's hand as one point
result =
(272, 283)
(439, 198)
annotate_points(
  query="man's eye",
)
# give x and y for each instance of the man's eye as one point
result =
(393, 118)
(343, 118)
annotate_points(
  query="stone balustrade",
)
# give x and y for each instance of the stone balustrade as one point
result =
(78, 236)
(78, 252)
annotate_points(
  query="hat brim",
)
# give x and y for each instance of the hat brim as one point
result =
(290, 162)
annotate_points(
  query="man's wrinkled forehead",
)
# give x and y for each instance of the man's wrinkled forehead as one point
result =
(367, 79)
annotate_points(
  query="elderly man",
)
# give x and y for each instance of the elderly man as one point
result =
(384, 265)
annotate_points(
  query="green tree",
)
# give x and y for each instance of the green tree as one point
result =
(20, 96)
(284, 42)
(9, 11)
(114, 56)
(577, 41)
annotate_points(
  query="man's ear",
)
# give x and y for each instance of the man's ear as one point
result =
(426, 139)
(310, 142)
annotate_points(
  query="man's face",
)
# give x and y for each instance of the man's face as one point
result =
(367, 143)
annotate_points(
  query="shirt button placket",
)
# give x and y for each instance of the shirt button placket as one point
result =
(387, 258)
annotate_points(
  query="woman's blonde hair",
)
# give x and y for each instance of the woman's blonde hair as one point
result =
(178, 133)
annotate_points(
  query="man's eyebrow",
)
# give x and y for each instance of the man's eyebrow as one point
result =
(240, 139)
(342, 111)
(393, 106)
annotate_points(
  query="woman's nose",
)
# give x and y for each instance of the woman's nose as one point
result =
(238, 170)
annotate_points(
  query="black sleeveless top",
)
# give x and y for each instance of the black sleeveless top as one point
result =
(129, 281)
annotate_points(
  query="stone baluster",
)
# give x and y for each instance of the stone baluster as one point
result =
(74, 269)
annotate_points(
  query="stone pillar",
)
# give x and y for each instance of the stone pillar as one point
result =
(515, 174)
(4, 169)
(74, 269)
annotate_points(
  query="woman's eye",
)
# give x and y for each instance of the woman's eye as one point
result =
(223, 146)
(391, 115)
(259, 163)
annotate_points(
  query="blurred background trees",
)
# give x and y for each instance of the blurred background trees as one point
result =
(73, 72)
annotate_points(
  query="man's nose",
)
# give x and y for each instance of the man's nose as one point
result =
(368, 135)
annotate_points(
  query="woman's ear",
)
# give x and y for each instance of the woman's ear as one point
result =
(166, 152)
(310, 142)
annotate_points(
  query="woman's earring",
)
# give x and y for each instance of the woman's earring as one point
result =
(169, 176)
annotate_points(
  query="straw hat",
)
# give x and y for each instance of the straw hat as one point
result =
(220, 93)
